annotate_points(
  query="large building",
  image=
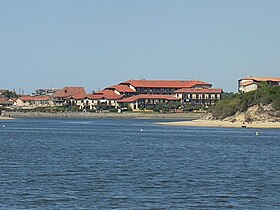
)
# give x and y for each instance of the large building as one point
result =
(248, 84)
(162, 87)
(137, 94)
(149, 93)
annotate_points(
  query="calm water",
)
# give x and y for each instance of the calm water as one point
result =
(112, 164)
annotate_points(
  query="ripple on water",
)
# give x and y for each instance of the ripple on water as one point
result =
(109, 163)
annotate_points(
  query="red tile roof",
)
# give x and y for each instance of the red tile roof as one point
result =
(34, 98)
(79, 96)
(262, 79)
(165, 83)
(109, 94)
(148, 96)
(122, 88)
(247, 83)
(200, 90)
(13, 99)
(69, 91)
(104, 94)
(85, 96)
(5, 101)
(26, 98)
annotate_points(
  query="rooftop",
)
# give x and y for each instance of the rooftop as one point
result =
(247, 83)
(122, 88)
(262, 79)
(164, 83)
(34, 98)
(69, 91)
(109, 94)
(104, 94)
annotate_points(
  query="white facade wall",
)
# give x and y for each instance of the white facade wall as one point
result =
(19, 102)
(248, 88)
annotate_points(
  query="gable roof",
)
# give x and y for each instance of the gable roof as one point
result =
(34, 98)
(69, 91)
(247, 83)
(121, 88)
(104, 94)
(164, 83)
(41, 98)
(26, 98)
(148, 96)
(200, 90)
(5, 101)
(109, 94)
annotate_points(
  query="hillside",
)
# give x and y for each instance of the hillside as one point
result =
(262, 104)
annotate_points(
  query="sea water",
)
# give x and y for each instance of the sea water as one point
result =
(136, 164)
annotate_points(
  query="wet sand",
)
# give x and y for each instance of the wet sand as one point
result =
(6, 118)
(223, 124)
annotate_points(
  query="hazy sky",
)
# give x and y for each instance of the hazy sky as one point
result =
(57, 43)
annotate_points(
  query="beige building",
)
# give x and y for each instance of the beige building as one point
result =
(248, 84)
(204, 97)
(33, 101)
(4, 102)
(60, 97)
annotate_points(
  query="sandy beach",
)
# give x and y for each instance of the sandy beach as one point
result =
(6, 118)
(223, 124)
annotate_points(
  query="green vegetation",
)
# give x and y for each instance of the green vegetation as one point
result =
(226, 95)
(167, 107)
(51, 109)
(264, 95)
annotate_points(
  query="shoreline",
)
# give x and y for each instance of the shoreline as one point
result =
(93, 115)
(6, 118)
(222, 124)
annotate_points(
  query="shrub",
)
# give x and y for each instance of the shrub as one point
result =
(157, 108)
(113, 110)
(241, 102)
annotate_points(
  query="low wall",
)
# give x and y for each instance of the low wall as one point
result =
(14, 114)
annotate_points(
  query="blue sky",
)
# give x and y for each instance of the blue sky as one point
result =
(98, 43)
